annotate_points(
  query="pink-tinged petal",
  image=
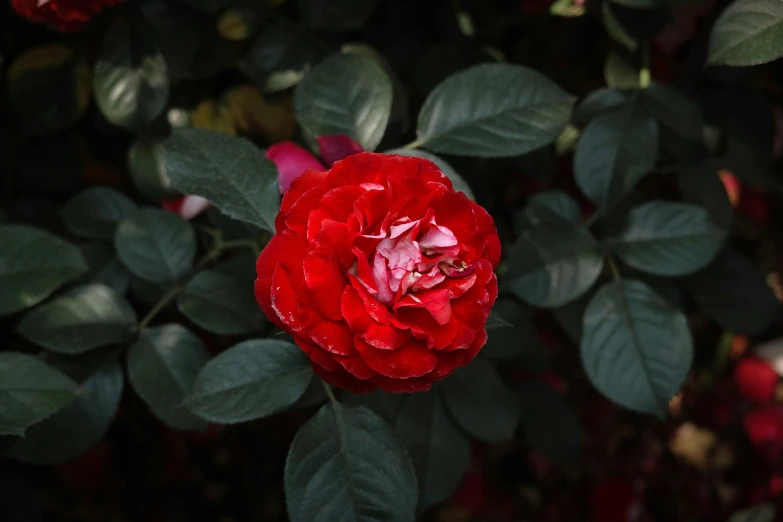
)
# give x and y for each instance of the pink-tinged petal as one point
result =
(335, 148)
(437, 238)
(436, 302)
(378, 335)
(428, 280)
(291, 161)
(187, 207)
(381, 276)
(343, 379)
(412, 359)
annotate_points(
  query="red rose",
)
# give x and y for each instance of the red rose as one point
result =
(65, 15)
(381, 272)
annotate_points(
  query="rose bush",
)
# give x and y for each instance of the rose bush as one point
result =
(64, 15)
(381, 272)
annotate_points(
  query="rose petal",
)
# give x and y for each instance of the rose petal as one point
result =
(335, 148)
(291, 161)
(412, 359)
(343, 379)
(436, 302)
(385, 337)
(325, 280)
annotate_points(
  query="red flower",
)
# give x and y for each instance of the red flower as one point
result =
(65, 15)
(755, 380)
(382, 273)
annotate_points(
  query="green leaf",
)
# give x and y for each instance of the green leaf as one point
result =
(518, 338)
(498, 121)
(702, 186)
(555, 259)
(105, 268)
(598, 102)
(620, 70)
(460, 185)
(674, 111)
(615, 28)
(764, 512)
(156, 245)
(615, 151)
(551, 427)
(80, 320)
(148, 170)
(381, 403)
(95, 212)
(131, 79)
(72, 431)
(230, 172)
(346, 94)
(336, 15)
(30, 391)
(733, 292)
(49, 88)
(253, 379)
(636, 348)
(667, 238)
(281, 56)
(218, 303)
(748, 32)
(162, 367)
(439, 450)
(346, 465)
(481, 403)
(33, 264)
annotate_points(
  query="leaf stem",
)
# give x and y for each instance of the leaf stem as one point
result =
(329, 392)
(415, 144)
(645, 77)
(613, 267)
(160, 305)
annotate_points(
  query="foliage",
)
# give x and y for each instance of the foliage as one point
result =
(613, 187)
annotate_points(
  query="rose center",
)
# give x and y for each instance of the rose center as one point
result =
(412, 256)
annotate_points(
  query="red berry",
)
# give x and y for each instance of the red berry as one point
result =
(755, 380)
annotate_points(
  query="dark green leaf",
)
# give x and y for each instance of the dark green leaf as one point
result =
(550, 426)
(80, 320)
(748, 32)
(72, 431)
(596, 103)
(156, 245)
(131, 79)
(674, 111)
(667, 238)
(439, 451)
(615, 151)
(621, 70)
(460, 185)
(49, 88)
(220, 304)
(345, 94)
(30, 391)
(346, 465)
(230, 172)
(148, 170)
(336, 15)
(733, 292)
(95, 212)
(105, 268)
(702, 186)
(383, 404)
(474, 113)
(636, 349)
(281, 56)
(33, 264)
(615, 28)
(764, 512)
(556, 259)
(517, 339)
(253, 379)
(162, 367)
(569, 316)
(481, 403)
